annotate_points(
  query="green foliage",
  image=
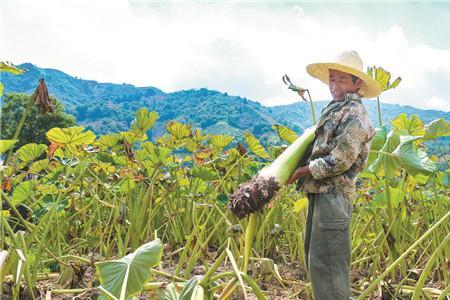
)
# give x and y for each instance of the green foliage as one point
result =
(221, 140)
(413, 160)
(437, 128)
(285, 133)
(5, 145)
(72, 136)
(144, 120)
(126, 277)
(99, 199)
(255, 146)
(109, 108)
(36, 125)
(23, 192)
(408, 126)
(192, 290)
(383, 78)
(30, 152)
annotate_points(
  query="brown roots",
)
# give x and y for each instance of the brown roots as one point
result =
(252, 195)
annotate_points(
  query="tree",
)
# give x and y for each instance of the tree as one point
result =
(36, 124)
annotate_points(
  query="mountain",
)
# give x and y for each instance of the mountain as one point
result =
(108, 107)
(73, 91)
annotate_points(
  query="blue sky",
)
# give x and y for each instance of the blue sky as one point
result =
(239, 47)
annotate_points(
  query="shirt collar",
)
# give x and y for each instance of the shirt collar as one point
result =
(352, 96)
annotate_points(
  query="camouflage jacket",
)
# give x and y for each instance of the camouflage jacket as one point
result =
(340, 149)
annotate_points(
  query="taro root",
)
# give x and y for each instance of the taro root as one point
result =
(252, 195)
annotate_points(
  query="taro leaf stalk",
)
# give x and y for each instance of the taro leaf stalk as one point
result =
(301, 91)
(383, 79)
(5, 145)
(251, 196)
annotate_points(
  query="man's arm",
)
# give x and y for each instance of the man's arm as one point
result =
(298, 173)
(350, 139)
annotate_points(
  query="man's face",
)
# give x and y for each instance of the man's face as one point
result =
(341, 83)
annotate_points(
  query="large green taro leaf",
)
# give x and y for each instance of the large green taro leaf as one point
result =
(126, 277)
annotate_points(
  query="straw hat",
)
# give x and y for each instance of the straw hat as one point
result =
(348, 62)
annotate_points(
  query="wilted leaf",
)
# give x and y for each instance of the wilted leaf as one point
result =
(241, 149)
(6, 184)
(42, 99)
(52, 149)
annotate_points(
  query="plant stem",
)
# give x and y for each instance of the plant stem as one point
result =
(19, 127)
(395, 263)
(380, 119)
(249, 236)
(427, 269)
(313, 112)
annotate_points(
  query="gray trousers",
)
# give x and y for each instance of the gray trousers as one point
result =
(327, 245)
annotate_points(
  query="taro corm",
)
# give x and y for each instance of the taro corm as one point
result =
(252, 195)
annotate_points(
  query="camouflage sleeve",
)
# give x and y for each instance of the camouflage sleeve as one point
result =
(351, 137)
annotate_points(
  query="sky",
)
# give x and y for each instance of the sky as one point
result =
(239, 47)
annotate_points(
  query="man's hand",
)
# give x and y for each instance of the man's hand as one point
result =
(300, 172)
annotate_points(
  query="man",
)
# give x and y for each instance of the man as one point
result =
(338, 154)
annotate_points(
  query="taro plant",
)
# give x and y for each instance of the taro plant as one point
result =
(121, 279)
(87, 201)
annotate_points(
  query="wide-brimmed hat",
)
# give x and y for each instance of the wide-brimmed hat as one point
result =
(348, 62)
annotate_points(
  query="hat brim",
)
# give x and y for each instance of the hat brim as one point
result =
(369, 87)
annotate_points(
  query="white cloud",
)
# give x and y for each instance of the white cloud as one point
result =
(241, 49)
